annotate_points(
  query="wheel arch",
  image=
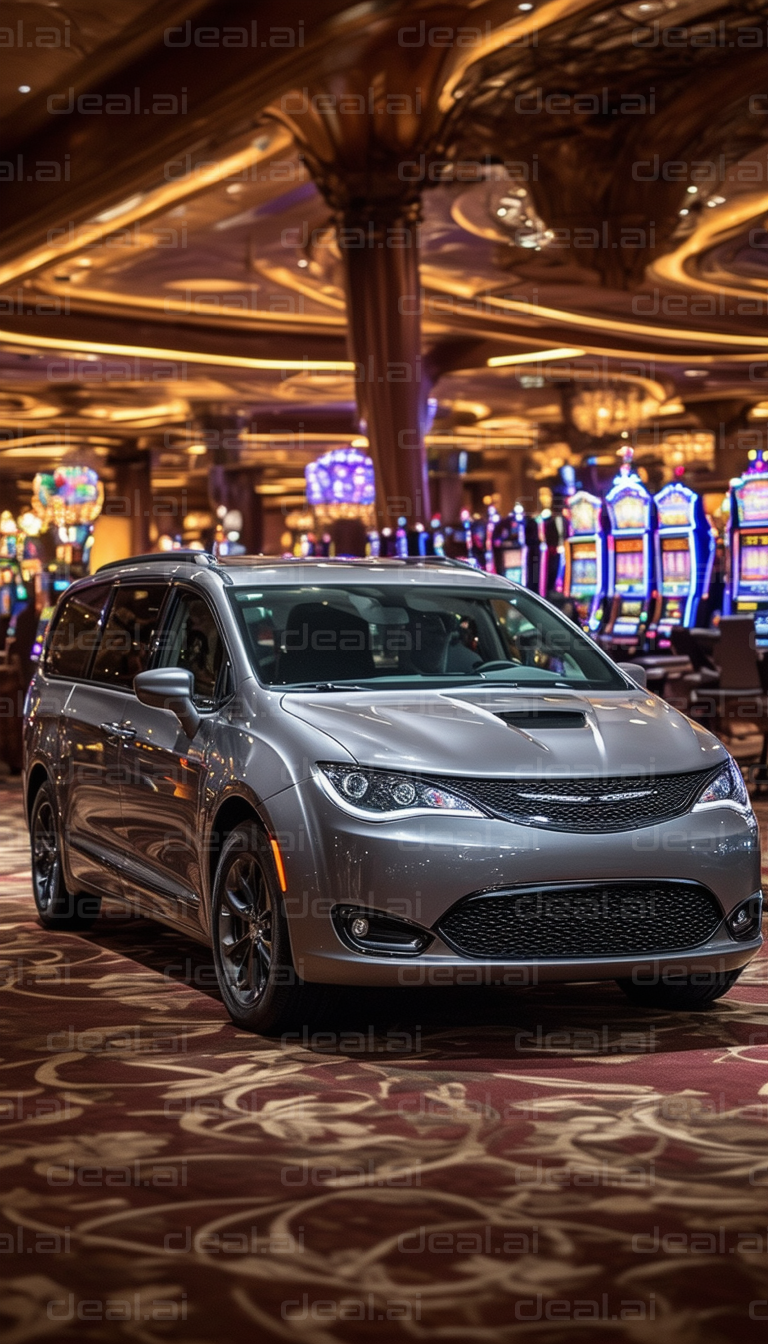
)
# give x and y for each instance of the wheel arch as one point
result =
(230, 814)
(38, 776)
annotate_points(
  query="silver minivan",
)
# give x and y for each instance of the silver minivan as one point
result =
(379, 772)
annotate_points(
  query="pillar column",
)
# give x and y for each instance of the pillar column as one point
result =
(231, 484)
(380, 251)
(132, 497)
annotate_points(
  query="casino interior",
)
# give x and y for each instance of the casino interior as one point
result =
(467, 278)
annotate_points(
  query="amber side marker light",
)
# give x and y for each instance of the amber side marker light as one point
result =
(278, 864)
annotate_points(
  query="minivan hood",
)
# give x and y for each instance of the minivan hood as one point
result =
(459, 732)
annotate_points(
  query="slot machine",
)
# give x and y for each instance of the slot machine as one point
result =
(630, 559)
(13, 597)
(551, 552)
(685, 553)
(515, 546)
(747, 589)
(478, 534)
(585, 567)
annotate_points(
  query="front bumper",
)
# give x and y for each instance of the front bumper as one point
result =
(418, 868)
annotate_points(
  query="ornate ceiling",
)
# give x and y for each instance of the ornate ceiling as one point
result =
(591, 179)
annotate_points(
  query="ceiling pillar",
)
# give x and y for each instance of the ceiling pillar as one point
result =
(379, 244)
(231, 484)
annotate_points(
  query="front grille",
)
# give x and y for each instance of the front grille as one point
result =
(594, 919)
(613, 803)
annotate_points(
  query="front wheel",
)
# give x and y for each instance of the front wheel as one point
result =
(689, 994)
(251, 949)
(57, 908)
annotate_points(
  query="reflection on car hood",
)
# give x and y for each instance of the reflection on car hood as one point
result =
(460, 732)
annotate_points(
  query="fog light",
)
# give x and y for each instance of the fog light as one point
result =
(744, 922)
(379, 934)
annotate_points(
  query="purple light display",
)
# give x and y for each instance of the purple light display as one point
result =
(343, 477)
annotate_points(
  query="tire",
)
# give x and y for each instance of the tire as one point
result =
(689, 994)
(251, 948)
(57, 908)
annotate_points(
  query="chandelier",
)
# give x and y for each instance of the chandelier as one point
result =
(688, 447)
(514, 214)
(607, 411)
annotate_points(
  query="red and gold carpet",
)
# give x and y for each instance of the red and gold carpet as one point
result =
(550, 1165)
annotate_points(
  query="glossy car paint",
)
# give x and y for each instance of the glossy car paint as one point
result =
(141, 814)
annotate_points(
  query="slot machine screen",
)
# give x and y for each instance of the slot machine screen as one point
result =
(630, 575)
(629, 617)
(512, 563)
(673, 612)
(583, 569)
(675, 566)
(753, 564)
(6, 599)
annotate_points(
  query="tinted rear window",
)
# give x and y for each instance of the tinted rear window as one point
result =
(126, 642)
(76, 632)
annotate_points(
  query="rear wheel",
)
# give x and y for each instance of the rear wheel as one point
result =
(251, 948)
(687, 994)
(57, 908)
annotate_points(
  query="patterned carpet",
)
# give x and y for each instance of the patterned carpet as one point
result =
(546, 1165)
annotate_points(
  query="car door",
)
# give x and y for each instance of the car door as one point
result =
(163, 779)
(87, 751)
(93, 735)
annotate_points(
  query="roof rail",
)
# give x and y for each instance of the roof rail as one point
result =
(454, 562)
(160, 557)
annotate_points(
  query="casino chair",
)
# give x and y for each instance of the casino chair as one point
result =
(738, 696)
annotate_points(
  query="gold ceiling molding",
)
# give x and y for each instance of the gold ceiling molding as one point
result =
(438, 306)
(107, 348)
(722, 223)
(142, 205)
(513, 30)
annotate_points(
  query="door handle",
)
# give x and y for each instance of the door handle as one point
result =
(117, 730)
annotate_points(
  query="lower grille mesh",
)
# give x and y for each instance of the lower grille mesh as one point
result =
(592, 920)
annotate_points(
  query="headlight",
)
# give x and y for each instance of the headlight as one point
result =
(727, 787)
(379, 794)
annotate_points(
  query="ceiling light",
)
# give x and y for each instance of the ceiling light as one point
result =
(24, 88)
(302, 262)
(695, 373)
(683, 212)
(234, 189)
(691, 190)
(525, 5)
(535, 356)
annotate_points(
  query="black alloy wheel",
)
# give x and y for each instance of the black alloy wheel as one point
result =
(245, 918)
(57, 908)
(251, 945)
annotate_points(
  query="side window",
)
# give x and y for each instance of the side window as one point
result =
(192, 641)
(75, 633)
(131, 623)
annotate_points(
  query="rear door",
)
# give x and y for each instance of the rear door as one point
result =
(93, 735)
(88, 758)
(164, 774)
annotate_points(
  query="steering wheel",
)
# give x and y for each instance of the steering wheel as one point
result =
(495, 664)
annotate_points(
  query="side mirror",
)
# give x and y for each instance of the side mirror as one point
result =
(169, 688)
(632, 670)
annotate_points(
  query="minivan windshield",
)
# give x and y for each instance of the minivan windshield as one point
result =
(398, 636)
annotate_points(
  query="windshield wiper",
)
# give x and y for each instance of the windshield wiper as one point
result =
(323, 686)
